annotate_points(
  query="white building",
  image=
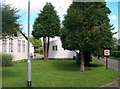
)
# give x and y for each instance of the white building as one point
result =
(56, 50)
(16, 46)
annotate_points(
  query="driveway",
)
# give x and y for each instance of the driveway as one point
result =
(37, 57)
(114, 64)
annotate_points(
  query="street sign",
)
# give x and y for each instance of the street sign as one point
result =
(107, 52)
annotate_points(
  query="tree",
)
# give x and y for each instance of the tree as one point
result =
(119, 44)
(10, 24)
(37, 43)
(119, 41)
(46, 25)
(86, 28)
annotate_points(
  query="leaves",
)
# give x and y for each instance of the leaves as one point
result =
(86, 26)
(47, 23)
(36, 42)
(10, 24)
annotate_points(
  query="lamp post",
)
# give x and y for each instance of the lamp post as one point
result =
(28, 61)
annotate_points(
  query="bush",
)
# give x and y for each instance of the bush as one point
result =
(6, 60)
(116, 54)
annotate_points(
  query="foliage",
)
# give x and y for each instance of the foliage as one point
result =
(57, 73)
(86, 28)
(46, 25)
(36, 42)
(6, 60)
(116, 53)
(10, 24)
(88, 31)
(87, 58)
(118, 41)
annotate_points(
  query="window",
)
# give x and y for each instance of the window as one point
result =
(10, 45)
(54, 47)
(4, 45)
(19, 45)
(23, 43)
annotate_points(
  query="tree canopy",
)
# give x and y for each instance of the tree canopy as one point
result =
(36, 42)
(10, 24)
(86, 28)
(46, 25)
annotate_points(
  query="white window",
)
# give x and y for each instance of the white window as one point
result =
(23, 44)
(4, 45)
(19, 45)
(54, 47)
(10, 45)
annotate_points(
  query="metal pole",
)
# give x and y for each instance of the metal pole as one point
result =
(106, 62)
(28, 62)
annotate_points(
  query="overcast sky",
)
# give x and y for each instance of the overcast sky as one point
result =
(61, 8)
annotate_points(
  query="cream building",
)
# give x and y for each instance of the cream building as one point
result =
(16, 46)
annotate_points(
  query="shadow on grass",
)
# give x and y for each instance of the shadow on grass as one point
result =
(95, 65)
(66, 66)
(73, 66)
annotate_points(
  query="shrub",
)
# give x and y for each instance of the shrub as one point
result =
(116, 53)
(6, 60)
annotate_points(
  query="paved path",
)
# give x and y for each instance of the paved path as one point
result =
(114, 64)
(38, 57)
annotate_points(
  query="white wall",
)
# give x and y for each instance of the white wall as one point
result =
(0, 45)
(60, 53)
(18, 55)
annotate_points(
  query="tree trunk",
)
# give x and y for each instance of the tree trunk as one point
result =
(82, 67)
(48, 46)
(87, 58)
(45, 48)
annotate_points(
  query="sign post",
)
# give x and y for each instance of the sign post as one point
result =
(107, 53)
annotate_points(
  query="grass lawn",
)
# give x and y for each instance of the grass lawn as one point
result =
(57, 73)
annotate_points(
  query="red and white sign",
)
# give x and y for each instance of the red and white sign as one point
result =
(106, 52)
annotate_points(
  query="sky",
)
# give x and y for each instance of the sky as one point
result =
(61, 8)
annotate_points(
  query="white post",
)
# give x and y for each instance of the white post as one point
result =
(28, 62)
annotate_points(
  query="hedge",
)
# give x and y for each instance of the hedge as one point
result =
(116, 53)
(6, 60)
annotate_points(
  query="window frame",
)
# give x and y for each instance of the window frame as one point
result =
(23, 45)
(19, 45)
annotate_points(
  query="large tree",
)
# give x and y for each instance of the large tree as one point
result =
(10, 24)
(37, 43)
(46, 25)
(86, 28)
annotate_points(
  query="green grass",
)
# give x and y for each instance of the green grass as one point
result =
(57, 73)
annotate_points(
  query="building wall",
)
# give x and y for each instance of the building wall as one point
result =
(18, 55)
(0, 45)
(60, 52)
